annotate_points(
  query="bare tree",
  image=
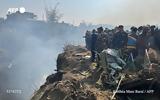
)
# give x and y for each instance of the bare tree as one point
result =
(52, 14)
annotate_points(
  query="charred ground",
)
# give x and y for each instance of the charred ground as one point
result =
(80, 80)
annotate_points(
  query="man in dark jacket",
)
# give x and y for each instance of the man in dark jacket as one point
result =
(134, 32)
(120, 38)
(93, 45)
(88, 40)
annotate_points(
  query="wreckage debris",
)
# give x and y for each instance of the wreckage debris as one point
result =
(124, 66)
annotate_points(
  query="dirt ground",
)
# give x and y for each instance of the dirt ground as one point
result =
(78, 79)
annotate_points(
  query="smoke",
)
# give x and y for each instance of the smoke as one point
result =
(28, 49)
(28, 53)
(131, 12)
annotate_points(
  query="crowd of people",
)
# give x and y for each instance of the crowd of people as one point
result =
(136, 40)
(133, 46)
(126, 46)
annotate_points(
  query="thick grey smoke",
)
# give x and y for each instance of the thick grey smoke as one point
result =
(132, 12)
(28, 52)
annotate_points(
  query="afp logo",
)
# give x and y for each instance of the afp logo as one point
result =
(14, 10)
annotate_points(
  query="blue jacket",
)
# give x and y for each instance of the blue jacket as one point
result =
(131, 42)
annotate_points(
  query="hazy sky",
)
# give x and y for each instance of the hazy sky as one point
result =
(127, 12)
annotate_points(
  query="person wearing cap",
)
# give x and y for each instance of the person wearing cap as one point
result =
(153, 29)
(100, 30)
(139, 30)
(142, 41)
(88, 40)
(120, 38)
(134, 32)
(132, 42)
(102, 40)
(93, 45)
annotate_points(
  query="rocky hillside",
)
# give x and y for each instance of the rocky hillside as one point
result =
(79, 79)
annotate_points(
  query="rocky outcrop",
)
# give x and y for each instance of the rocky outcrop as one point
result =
(74, 65)
(79, 79)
